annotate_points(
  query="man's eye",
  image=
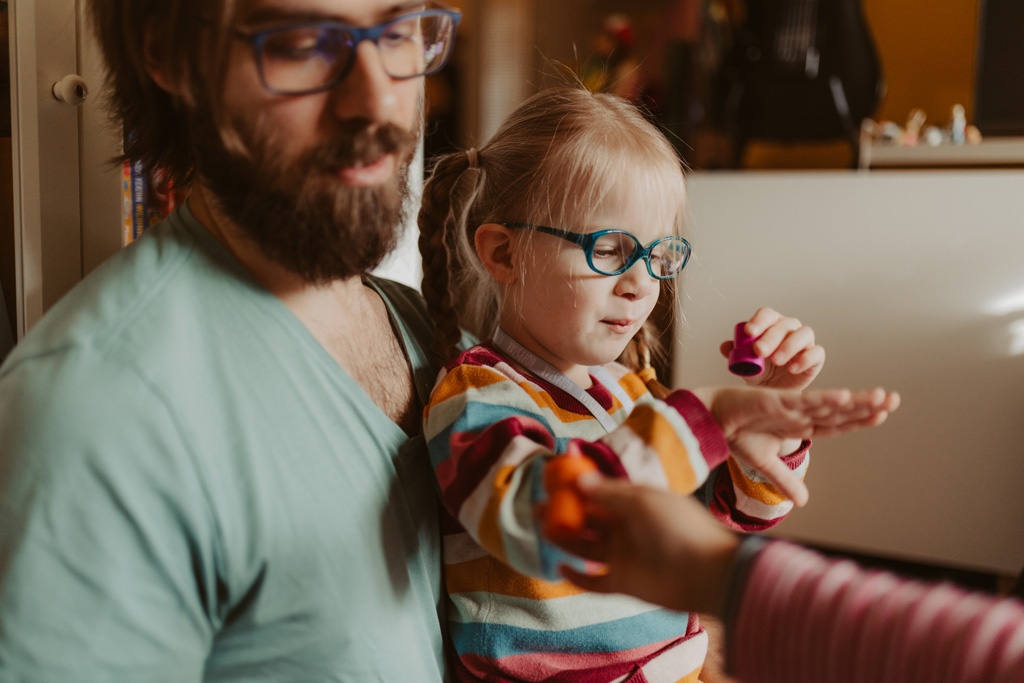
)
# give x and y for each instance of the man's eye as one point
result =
(397, 35)
(402, 30)
(291, 47)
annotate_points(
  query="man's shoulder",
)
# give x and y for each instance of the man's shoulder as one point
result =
(156, 287)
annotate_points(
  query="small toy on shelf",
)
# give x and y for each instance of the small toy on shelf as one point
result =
(912, 131)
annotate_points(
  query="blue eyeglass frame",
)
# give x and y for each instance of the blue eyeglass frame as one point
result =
(587, 241)
(358, 34)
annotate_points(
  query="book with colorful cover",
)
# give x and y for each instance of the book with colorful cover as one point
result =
(147, 197)
(126, 203)
(140, 193)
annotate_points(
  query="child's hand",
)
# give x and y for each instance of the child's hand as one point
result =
(755, 422)
(793, 359)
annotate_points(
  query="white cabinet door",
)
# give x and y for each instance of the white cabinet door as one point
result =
(60, 155)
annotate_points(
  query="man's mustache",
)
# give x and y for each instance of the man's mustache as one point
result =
(363, 145)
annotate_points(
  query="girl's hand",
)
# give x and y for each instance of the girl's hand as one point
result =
(793, 360)
(756, 423)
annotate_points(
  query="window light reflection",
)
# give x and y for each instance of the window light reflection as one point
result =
(1017, 338)
(1012, 303)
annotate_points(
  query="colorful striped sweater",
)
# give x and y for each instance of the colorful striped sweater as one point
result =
(803, 618)
(489, 429)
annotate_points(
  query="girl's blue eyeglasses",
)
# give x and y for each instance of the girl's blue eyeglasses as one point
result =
(613, 252)
(309, 57)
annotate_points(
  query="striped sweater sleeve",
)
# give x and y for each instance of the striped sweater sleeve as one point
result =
(803, 618)
(742, 499)
(490, 429)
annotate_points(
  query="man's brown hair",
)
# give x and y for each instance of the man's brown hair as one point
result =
(189, 41)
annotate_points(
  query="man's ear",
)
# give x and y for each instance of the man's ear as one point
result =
(156, 62)
(494, 247)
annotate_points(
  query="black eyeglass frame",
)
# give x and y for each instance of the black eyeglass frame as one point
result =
(587, 241)
(357, 34)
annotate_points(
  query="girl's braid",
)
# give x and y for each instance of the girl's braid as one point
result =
(440, 229)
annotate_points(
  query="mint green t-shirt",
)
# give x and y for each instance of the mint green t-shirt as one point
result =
(191, 489)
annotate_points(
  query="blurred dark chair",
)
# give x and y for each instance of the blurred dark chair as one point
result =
(800, 71)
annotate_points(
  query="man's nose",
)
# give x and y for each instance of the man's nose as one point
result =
(367, 92)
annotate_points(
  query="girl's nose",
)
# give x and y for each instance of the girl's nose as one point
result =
(636, 282)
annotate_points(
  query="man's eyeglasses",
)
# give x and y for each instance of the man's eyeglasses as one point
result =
(309, 57)
(613, 252)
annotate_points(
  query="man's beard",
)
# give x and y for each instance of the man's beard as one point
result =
(297, 211)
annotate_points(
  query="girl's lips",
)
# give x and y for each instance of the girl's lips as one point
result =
(619, 325)
(370, 174)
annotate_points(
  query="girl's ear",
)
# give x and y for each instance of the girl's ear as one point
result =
(494, 247)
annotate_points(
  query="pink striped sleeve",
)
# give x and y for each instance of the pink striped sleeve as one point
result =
(803, 618)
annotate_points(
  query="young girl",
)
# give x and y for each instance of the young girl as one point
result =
(552, 242)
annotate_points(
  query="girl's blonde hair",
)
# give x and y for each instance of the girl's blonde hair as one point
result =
(552, 162)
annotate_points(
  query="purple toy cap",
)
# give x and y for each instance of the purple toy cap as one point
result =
(742, 359)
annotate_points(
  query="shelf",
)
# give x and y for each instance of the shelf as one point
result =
(989, 153)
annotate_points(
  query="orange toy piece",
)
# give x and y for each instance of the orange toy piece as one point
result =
(564, 516)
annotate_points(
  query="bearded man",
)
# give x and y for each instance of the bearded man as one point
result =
(212, 467)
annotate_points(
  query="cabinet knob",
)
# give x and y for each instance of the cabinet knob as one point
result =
(72, 89)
